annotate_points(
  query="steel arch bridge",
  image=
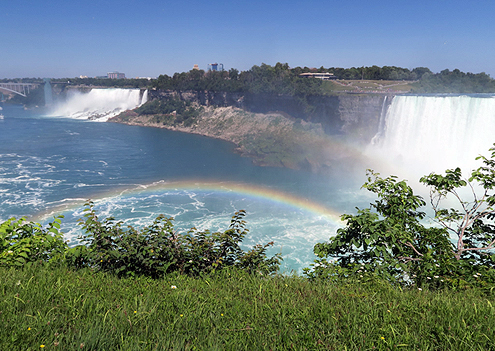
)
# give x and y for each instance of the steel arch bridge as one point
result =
(18, 88)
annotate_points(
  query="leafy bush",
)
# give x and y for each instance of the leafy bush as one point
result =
(22, 242)
(158, 249)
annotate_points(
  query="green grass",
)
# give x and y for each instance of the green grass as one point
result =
(67, 310)
(367, 86)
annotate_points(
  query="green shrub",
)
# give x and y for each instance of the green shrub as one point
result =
(22, 242)
(158, 249)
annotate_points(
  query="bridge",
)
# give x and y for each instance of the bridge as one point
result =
(18, 88)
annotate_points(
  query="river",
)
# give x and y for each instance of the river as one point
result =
(52, 165)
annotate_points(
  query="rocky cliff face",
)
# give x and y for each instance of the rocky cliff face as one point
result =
(271, 139)
(360, 115)
(355, 116)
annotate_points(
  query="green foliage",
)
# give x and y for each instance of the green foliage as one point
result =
(125, 251)
(375, 73)
(391, 240)
(455, 82)
(170, 111)
(104, 82)
(386, 239)
(263, 79)
(471, 222)
(158, 249)
(23, 242)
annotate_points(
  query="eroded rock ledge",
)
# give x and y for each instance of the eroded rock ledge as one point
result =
(271, 139)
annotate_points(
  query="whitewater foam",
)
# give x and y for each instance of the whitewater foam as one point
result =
(100, 104)
(424, 134)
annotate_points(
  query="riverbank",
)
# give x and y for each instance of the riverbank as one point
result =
(270, 139)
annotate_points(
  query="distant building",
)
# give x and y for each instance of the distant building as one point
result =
(116, 75)
(215, 67)
(322, 76)
(196, 67)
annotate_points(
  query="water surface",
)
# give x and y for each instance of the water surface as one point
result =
(50, 166)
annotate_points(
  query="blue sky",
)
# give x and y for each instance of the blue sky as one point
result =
(62, 38)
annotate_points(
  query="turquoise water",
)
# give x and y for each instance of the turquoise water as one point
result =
(50, 166)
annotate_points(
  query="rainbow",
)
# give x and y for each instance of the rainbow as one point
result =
(248, 190)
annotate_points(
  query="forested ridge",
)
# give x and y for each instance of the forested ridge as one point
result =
(284, 80)
(281, 79)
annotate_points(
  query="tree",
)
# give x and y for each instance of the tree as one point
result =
(391, 239)
(420, 71)
(471, 223)
(233, 74)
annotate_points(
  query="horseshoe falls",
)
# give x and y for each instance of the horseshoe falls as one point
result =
(424, 134)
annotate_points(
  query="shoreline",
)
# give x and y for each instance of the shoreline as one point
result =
(270, 139)
(237, 148)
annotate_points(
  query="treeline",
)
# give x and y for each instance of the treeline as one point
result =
(455, 82)
(105, 82)
(371, 73)
(283, 80)
(278, 79)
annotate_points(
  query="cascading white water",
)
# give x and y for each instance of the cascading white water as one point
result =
(144, 98)
(381, 124)
(433, 133)
(100, 104)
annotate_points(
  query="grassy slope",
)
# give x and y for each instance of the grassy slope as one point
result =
(68, 310)
(368, 86)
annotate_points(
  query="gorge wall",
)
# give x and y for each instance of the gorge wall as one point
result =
(356, 116)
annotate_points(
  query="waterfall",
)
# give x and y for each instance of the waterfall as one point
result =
(381, 124)
(144, 97)
(423, 134)
(100, 104)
